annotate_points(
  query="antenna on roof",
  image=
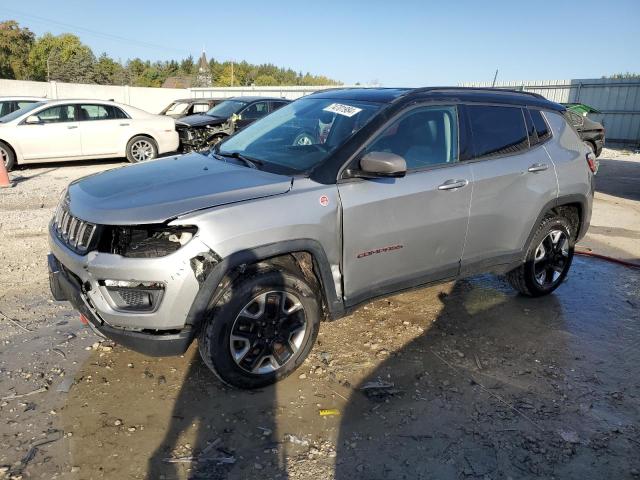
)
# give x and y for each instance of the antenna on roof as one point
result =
(495, 77)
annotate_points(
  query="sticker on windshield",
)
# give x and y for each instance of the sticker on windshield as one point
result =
(341, 109)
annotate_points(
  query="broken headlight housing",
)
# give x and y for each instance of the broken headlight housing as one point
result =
(145, 241)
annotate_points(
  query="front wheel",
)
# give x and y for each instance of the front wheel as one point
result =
(548, 259)
(141, 148)
(7, 156)
(262, 328)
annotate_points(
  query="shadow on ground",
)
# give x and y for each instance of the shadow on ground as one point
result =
(464, 380)
(504, 386)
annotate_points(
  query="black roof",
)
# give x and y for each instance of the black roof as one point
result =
(473, 94)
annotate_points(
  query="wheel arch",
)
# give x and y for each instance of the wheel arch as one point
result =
(305, 255)
(148, 135)
(576, 203)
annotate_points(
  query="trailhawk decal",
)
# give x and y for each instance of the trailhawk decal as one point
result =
(390, 248)
(341, 109)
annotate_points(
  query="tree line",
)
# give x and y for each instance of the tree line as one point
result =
(65, 58)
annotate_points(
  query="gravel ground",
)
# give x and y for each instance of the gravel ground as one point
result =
(460, 380)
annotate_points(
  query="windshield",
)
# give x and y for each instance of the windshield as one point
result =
(302, 134)
(226, 108)
(176, 108)
(20, 112)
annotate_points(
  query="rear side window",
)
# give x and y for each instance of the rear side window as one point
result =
(542, 129)
(497, 130)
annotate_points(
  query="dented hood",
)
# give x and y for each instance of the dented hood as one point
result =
(158, 190)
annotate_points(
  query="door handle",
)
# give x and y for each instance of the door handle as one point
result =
(124, 124)
(453, 184)
(70, 127)
(538, 167)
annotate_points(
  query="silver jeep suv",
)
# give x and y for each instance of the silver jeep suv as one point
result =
(334, 200)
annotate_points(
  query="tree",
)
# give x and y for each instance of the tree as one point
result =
(108, 72)
(187, 66)
(624, 76)
(265, 81)
(64, 58)
(15, 43)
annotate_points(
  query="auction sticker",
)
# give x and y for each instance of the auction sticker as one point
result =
(341, 109)
(324, 200)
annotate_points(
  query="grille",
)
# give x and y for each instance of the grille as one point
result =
(75, 233)
(134, 299)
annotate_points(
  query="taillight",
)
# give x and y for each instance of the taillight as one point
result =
(592, 161)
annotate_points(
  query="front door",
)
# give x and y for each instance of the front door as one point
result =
(56, 136)
(403, 232)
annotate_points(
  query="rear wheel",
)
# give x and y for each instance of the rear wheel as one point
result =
(548, 259)
(141, 148)
(7, 156)
(262, 328)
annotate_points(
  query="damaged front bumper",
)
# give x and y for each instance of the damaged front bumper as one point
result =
(162, 330)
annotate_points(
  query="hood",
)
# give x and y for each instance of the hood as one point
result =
(200, 120)
(158, 190)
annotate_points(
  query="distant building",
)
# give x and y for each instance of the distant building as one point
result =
(201, 79)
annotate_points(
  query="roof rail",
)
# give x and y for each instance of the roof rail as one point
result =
(481, 89)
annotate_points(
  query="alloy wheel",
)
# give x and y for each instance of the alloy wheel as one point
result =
(142, 150)
(551, 258)
(268, 332)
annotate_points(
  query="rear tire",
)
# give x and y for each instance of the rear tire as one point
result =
(7, 156)
(548, 258)
(141, 148)
(261, 329)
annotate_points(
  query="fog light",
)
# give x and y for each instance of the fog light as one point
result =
(134, 295)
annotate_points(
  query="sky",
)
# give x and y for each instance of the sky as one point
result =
(393, 43)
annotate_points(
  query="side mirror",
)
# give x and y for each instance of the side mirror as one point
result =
(383, 164)
(32, 120)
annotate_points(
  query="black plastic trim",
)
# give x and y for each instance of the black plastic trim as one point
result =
(202, 303)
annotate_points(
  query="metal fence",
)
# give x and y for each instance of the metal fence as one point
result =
(618, 100)
(290, 93)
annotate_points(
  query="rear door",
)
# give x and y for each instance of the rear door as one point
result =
(514, 179)
(56, 136)
(102, 129)
(402, 232)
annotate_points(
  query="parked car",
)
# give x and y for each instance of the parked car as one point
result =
(249, 247)
(591, 132)
(190, 106)
(83, 129)
(11, 104)
(200, 132)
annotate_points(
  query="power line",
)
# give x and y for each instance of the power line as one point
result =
(96, 33)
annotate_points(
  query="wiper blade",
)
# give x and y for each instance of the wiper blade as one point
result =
(251, 162)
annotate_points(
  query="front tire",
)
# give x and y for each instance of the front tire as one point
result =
(7, 156)
(548, 258)
(141, 148)
(261, 329)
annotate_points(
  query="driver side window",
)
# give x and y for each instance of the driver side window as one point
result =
(255, 111)
(424, 137)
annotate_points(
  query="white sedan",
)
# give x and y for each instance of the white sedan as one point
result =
(61, 130)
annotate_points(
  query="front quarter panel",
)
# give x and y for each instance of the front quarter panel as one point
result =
(308, 211)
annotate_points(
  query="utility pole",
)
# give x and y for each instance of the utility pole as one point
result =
(495, 77)
(48, 69)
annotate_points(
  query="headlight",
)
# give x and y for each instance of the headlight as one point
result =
(145, 241)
